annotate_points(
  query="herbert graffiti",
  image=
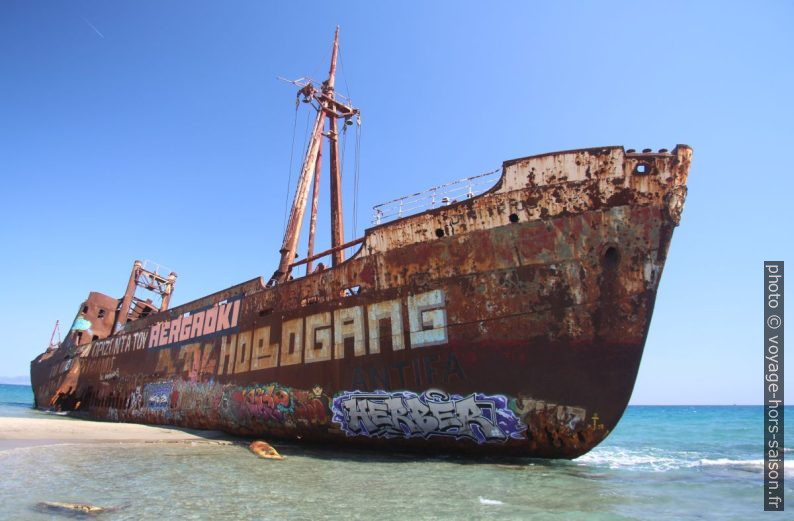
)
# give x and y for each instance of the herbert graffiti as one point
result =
(477, 417)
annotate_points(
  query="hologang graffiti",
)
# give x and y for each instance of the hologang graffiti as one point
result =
(478, 417)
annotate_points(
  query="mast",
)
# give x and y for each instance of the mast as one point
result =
(327, 107)
(337, 225)
(315, 203)
(291, 235)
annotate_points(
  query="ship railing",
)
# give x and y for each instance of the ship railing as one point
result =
(442, 195)
(156, 268)
(327, 252)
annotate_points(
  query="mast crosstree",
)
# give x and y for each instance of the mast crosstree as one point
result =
(331, 109)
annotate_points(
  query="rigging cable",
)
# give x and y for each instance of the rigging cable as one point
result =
(344, 147)
(344, 76)
(291, 155)
(357, 148)
(357, 169)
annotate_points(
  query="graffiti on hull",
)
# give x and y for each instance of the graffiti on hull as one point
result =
(260, 402)
(208, 404)
(157, 396)
(274, 404)
(477, 417)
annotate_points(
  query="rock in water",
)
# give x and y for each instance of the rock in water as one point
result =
(71, 508)
(264, 450)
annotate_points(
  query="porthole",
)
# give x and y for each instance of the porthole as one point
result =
(611, 257)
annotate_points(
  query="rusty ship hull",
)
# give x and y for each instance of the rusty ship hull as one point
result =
(512, 322)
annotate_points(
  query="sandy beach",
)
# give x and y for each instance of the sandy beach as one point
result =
(20, 432)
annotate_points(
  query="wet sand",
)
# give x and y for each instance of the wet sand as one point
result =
(23, 432)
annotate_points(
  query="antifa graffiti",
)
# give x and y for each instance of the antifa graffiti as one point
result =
(477, 417)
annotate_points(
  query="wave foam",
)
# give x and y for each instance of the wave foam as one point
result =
(662, 461)
(485, 501)
(750, 465)
(616, 458)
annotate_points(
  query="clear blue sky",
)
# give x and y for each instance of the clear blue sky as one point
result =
(157, 130)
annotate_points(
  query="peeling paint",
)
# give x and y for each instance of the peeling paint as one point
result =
(539, 290)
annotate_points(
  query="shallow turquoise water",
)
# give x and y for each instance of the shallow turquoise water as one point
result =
(16, 400)
(660, 463)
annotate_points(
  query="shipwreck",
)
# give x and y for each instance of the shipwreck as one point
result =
(501, 314)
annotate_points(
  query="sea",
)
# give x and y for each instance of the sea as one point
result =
(661, 462)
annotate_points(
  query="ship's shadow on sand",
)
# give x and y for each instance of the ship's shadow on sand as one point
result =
(363, 455)
(330, 452)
